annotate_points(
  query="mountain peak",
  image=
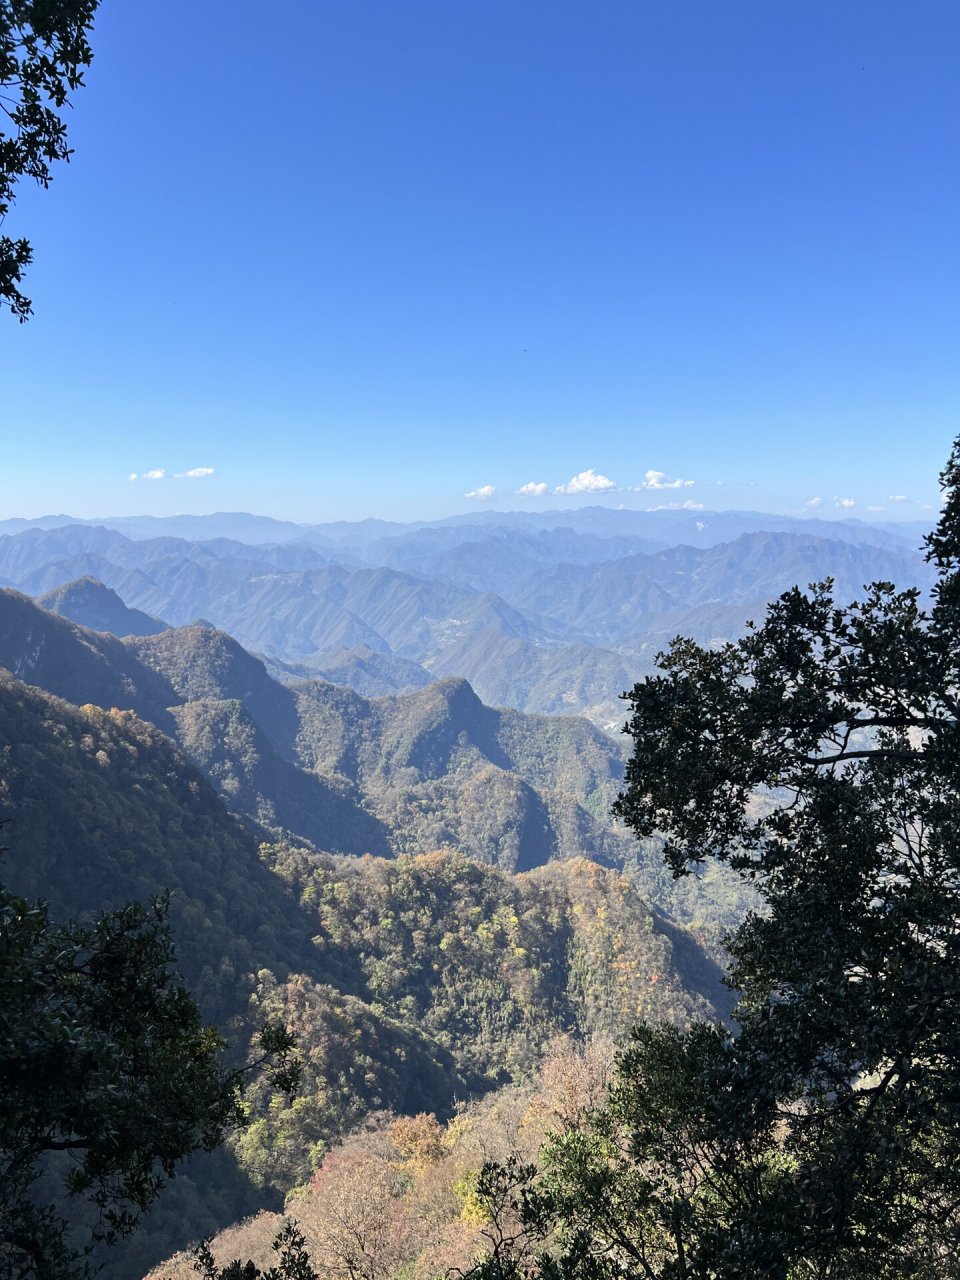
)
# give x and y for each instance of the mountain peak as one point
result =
(90, 604)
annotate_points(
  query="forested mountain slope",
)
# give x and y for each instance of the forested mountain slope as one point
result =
(407, 774)
(102, 808)
(409, 982)
(77, 664)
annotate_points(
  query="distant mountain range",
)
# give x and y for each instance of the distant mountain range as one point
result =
(554, 612)
(143, 746)
(668, 527)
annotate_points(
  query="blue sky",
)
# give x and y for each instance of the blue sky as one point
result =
(364, 258)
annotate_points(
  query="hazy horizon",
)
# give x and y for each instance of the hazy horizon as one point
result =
(831, 515)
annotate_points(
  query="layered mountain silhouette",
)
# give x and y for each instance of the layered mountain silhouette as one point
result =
(665, 525)
(553, 613)
(145, 748)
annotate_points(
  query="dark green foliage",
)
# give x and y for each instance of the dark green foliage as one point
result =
(438, 768)
(43, 51)
(105, 810)
(671, 1178)
(104, 1061)
(357, 1059)
(238, 758)
(490, 965)
(513, 1212)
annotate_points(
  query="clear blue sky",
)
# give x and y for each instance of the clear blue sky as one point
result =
(366, 256)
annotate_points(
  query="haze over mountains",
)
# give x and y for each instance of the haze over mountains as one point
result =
(544, 612)
(668, 526)
(242, 719)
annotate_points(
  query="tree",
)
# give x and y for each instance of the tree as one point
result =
(43, 51)
(108, 1078)
(359, 1228)
(820, 757)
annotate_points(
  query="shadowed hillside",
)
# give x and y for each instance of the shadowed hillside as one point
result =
(77, 664)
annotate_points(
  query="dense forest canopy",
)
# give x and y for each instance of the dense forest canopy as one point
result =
(410, 983)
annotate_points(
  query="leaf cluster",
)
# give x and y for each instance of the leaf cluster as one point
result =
(105, 1066)
(43, 52)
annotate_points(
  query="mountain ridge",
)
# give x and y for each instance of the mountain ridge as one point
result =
(98, 608)
(590, 518)
(572, 621)
(399, 774)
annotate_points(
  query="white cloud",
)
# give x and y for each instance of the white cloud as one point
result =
(814, 502)
(898, 497)
(157, 473)
(844, 502)
(534, 489)
(132, 475)
(587, 482)
(658, 480)
(876, 508)
(483, 492)
(195, 473)
(689, 505)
